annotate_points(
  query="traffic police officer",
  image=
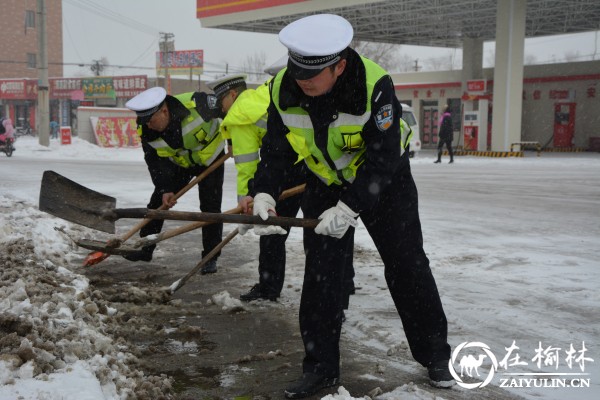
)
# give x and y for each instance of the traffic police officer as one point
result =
(180, 137)
(244, 125)
(338, 113)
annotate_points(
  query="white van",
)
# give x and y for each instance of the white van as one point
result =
(408, 115)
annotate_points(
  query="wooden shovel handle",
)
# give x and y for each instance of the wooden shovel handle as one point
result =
(97, 257)
(208, 217)
(195, 225)
(183, 191)
(178, 284)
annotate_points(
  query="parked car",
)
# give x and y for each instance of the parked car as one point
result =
(408, 115)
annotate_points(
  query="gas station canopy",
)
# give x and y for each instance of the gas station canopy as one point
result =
(443, 23)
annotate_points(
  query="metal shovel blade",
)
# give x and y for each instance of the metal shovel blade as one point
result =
(97, 245)
(73, 202)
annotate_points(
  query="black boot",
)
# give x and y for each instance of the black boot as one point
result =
(440, 376)
(144, 254)
(210, 267)
(256, 293)
(308, 385)
(437, 161)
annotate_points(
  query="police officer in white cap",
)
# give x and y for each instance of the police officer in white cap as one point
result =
(338, 112)
(180, 137)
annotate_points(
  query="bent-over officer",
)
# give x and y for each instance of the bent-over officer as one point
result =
(338, 113)
(180, 137)
(244, 125)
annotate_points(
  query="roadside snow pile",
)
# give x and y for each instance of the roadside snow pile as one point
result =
(53, 327)
(226, 302)
(409, 391)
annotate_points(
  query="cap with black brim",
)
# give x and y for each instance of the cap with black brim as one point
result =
(314, 43)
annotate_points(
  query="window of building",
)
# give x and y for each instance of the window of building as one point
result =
(31, 60)
(29, 19)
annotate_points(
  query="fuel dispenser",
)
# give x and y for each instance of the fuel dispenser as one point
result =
(476, 134)
(564, 124)
(471, 124)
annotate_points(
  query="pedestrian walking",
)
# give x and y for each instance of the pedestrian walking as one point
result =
(445, 135)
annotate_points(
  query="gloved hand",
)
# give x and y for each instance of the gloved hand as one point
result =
(335, 221)
(206, 105)
(264, 205)
(244, 228)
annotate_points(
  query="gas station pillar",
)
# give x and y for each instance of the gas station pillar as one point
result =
(508, 74)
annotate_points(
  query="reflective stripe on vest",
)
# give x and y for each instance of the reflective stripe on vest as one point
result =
(262, 122)
(244, 158)
(345, 144)
(202, 141)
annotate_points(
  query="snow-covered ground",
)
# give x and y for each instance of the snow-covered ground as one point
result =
(513, 244)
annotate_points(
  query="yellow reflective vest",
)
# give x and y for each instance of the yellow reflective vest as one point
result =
(345, 144)
(246, 124)
(202, 140)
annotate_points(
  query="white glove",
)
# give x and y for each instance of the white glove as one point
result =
(244, 228)
(335, 221)
(264, 206)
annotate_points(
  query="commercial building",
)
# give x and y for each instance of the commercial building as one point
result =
(19, 56)
(560, 105)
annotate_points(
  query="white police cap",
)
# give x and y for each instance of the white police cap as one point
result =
(277, 66)
(223, 85)
(147, 103)
(314, 43)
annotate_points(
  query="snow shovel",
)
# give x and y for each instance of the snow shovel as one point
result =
(98, 256)
(69, 200)
(154, 239)
(118, 213)
(148, 240)
(124, 249)
(66, 199)
(85, 207)
(175, 286)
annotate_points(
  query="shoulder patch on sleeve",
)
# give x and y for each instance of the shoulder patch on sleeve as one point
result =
(384, 117)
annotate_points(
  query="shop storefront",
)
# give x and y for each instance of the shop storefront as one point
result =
(18, 97)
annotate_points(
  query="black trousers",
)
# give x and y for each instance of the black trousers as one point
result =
(210, 194)
(395, 228)
(272, 258)
(448, 143)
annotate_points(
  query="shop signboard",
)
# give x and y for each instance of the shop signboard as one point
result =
(100, 87)
(183, 62)
(130, 86)
(18, 89)
(62, 88)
